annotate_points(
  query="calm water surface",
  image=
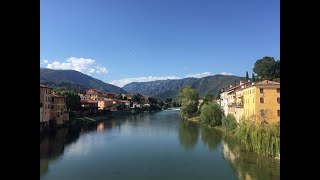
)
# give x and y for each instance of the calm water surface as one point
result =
(149, 146)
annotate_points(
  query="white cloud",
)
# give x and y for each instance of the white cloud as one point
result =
(200, 75)
(122, 82)
(86, 66)
(226, 73)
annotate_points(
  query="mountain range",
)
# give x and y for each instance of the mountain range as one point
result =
(163, 89)
(75, 80)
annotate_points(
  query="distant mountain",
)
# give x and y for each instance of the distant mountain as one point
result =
(169, 88)
(73, 79)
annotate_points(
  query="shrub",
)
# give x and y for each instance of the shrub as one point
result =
(229, 123)
(211, 114)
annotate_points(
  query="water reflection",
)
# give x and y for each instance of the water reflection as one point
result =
(211, 137)
(246, 164)
(100, 127)
(98, 145)
(188, 134)
(52, 146)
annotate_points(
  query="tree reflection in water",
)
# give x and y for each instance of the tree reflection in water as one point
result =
(211, 137)
(188, 134)
(247, 164)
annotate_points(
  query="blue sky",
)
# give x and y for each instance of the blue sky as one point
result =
(120, 41)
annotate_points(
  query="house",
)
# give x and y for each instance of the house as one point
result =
(136, 105)
(261, 102)
(45, 104)
(127, 96)
(94, 94)
(109, 95)
(228, 98)
(84, 96)
(126, 103)
(105, 103)
(89, 105)
(59, 109)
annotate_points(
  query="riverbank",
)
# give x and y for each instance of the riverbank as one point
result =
(262, 139)
(89, 120)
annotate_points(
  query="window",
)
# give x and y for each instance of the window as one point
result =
(278, 90)
(52, 107)
(262, 112)
(261, 91)
(252, 100)
(261, 100)
(278, 112)
(41, 104)
(250, 91)
(278, 100)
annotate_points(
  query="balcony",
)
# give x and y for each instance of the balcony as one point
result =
(237, 105)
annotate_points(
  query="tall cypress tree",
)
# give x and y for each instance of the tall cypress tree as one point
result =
(247, 76)
(253, 78)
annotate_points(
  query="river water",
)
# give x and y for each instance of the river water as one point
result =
(149, 146)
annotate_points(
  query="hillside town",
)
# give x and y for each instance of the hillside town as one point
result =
(259, 102)
(54, 111)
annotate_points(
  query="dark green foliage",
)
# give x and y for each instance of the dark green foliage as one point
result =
(189, 100)
(66, 85)
(75, 77)
(163, 89)
(137, 98)
(168, 100)
(119, 97)
(253, 78)
(211, 114)
(229, 123)
(263, 139)
(267, 68)
(247, 76)
(208, 98)
(72, 98)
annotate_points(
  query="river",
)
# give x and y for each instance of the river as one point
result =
(149, 146)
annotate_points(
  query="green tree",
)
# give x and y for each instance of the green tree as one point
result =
(247, 76)
(168, 100)
(136, 98)
(211, 114)
(253, 78)
(229, 123)
(119, 97)
(276, 70)
(189, 100)
(152, 100)
(72, 98)
(267, 68)
(208, 98)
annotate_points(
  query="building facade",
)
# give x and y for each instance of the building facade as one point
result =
(59, 109)
(262, 102)
(45, 103)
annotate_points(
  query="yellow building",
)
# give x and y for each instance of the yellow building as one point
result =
(261, 102)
